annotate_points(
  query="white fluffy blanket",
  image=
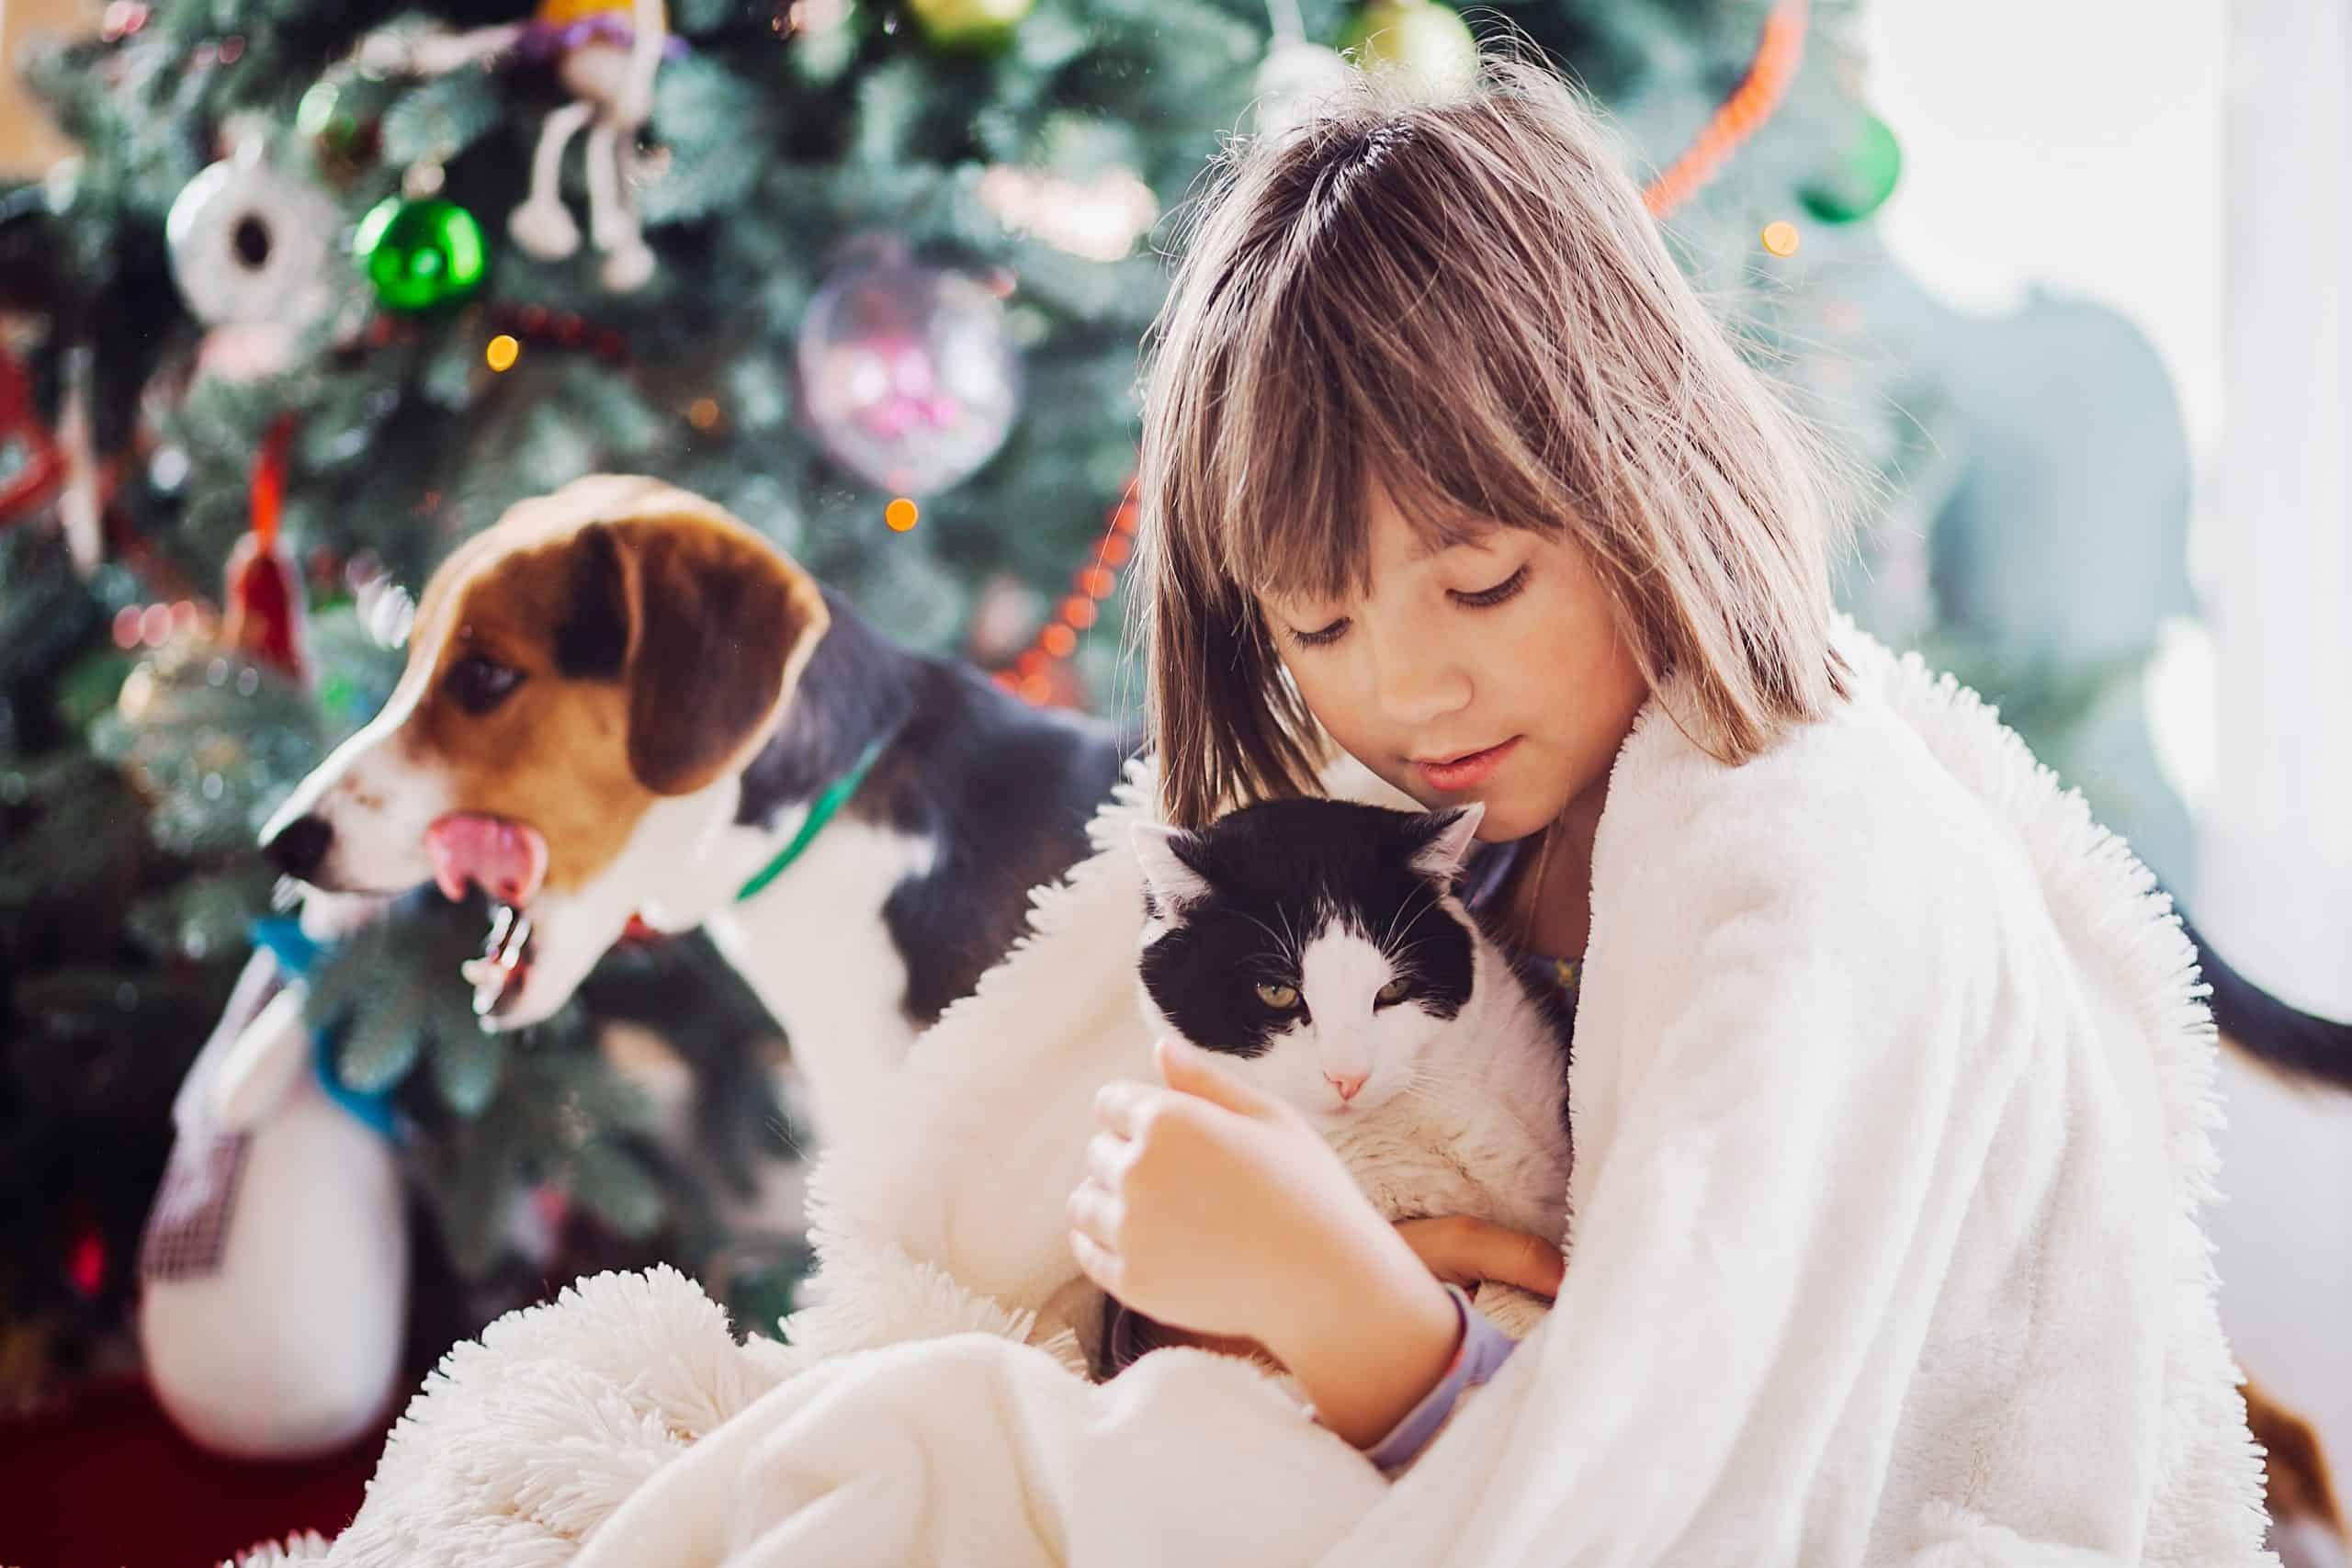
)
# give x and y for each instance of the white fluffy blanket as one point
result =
(1892, 1100)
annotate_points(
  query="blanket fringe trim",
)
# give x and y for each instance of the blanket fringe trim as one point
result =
(2102, 892)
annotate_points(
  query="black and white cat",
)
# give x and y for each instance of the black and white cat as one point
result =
(1320, 945)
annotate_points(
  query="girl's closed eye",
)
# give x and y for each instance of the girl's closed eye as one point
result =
(1482, 599)
(1485, 598)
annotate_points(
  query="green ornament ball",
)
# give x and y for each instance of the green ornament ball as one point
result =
(1863, 180)
(420, 254)
(969, 24)
(1431, 47)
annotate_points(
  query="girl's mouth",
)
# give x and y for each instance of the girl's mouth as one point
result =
(1468, 771)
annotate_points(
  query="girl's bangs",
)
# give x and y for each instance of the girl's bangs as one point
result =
(1302, 482)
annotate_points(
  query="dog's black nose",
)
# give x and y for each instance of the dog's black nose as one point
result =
(300, 846)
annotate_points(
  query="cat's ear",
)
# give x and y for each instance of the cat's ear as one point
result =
(1170, 882)
(1449, 834)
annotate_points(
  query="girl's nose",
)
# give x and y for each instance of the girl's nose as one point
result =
(1416, 683)
(1346, 1084)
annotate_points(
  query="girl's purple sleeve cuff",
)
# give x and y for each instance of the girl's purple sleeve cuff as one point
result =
(1481, 1350)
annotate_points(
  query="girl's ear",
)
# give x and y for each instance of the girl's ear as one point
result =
(1448, 835)
(1171, 884)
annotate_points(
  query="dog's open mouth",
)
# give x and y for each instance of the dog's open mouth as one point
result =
(498, 975)
(508, 860)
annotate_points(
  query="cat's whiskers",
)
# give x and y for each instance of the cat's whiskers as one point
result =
(1284, 945)
(1389, 936)
(1405, 955)
(1403, 910)
(1402, 963)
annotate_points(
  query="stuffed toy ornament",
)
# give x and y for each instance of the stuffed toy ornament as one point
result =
(274, 1271)
(605, 53)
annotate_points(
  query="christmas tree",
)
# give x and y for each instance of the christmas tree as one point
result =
(301, 316)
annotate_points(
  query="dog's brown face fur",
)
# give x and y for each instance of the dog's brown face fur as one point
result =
(595, 654)
(626, 660)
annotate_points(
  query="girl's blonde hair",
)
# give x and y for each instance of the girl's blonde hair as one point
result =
(1466, 303)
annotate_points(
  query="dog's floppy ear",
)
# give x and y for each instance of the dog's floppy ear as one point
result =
(592, 643)
(710, 626)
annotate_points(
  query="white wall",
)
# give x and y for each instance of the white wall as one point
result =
(2189, 163)
(2275, 839)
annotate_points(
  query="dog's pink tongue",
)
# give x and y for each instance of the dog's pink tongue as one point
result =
(507, 859)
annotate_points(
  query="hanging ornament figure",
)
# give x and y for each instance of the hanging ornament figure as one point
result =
(605, 53)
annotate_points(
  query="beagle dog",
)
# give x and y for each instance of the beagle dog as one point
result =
(620, 700)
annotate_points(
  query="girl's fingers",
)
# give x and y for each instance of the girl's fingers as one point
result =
(1122, 1107)
(1464, 1250)
(1191, 1070)
(1554, 1268)
(1515, 1258)
(1093, 1213)
(1096, 1262)
(1107, 1158)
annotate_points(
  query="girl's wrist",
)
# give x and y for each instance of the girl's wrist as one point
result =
(1381, 1344)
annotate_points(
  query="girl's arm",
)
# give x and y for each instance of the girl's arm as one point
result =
(1368, 1358)
(1457, 1249)
(1463, 1249)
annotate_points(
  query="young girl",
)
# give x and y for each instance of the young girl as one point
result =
(1445, 463)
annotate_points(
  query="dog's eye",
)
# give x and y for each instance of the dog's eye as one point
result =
(1281, 998)
(478, 685)
(1395, 991)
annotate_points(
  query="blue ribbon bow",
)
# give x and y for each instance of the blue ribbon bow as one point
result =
(298, 953)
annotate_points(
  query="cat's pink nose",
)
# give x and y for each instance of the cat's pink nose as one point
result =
(1346, 1085)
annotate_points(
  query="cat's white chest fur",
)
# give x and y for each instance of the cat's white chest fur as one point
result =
(1484, 1133)
(1484, 1130)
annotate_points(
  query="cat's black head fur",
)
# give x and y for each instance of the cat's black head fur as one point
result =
(1242, 894)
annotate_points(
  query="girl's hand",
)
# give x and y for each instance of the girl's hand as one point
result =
(1464, 1250)
(1211, 1207)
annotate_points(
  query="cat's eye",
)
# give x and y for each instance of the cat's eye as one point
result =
(478, 685)
(1281, 998)
(1395, 991)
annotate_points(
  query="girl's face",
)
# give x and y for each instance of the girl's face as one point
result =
(1499, 657)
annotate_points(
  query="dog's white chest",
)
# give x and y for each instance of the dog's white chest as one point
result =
(814, 946)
